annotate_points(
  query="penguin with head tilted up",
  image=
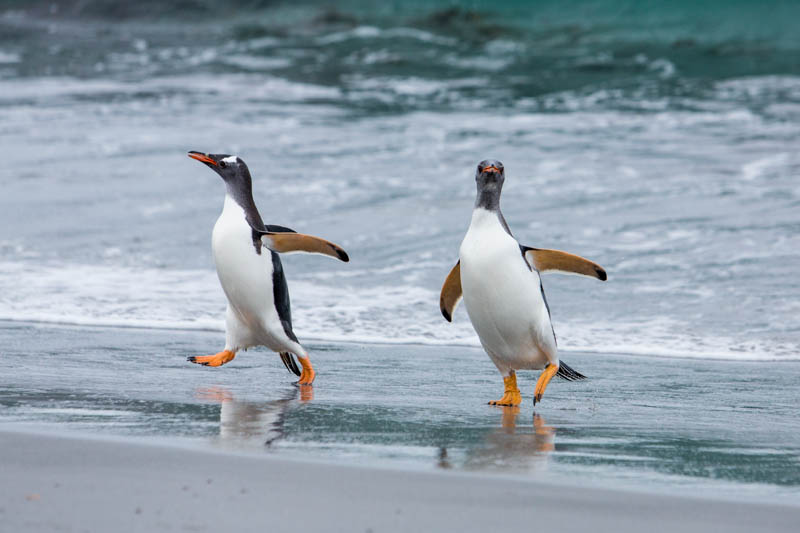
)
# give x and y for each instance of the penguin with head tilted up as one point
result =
(249, 268)
(499, 281)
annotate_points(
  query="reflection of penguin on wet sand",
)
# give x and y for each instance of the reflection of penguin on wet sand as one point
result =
(503, 293)
(515, 447)
(508, 446)
(258, 312)
(243, 423)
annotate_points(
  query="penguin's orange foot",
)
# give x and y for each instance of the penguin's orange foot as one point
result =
(509, 399)
(217, 359)
(307, 375)
(549, 371)
(511, 395)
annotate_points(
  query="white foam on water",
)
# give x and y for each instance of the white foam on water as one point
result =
(372, 32)
(763, 166)
(695, 224)
(9, 57)
(233, 85)
(336, 309)
(256, 63)
(91, 295)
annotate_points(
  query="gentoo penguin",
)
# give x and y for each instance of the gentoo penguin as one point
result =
(246, 255)
(500, 283)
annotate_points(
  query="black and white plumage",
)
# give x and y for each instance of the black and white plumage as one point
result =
(249, 268)
(500, 283)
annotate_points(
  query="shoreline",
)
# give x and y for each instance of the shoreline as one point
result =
(327, 341)
(58, 482)
(638, 425)
(216, 446)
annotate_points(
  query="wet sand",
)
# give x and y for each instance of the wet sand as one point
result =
(698, 428)
(57, 483)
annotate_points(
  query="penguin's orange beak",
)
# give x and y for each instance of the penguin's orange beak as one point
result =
(203, 158)
(491, 168)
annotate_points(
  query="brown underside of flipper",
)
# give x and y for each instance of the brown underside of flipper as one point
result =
(298, 242)
(451, 292)
(544, 260)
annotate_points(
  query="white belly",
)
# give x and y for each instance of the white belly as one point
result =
(503, 297)
(246, 279)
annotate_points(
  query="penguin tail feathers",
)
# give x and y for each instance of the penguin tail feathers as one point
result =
(290, 363)
(566, 372)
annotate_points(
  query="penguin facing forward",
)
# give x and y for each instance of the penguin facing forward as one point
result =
(249, 268)
(499, 281)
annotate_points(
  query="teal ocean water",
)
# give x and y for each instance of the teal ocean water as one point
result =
(656, 138)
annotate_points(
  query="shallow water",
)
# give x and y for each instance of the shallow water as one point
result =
(657, 139)
(721, 429)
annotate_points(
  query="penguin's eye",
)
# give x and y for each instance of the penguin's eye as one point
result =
(222, 164)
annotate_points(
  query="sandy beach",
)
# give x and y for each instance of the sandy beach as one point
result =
(59, 483)
(656, 139)
(140, 440)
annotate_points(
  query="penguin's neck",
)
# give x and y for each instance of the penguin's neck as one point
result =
(487, 207)
(488, 199)
(483, 219)
(244, 199)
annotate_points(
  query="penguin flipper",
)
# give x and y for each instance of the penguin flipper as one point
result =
(285, 242)
(451, 292)
(278, 229)
(556, 260)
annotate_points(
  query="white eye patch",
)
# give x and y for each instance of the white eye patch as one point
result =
(231, 160)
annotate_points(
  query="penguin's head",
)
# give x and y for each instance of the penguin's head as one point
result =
(490, 175)
(230, 168)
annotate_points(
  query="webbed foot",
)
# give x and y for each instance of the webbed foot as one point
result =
(218, 359)
(511, 394)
